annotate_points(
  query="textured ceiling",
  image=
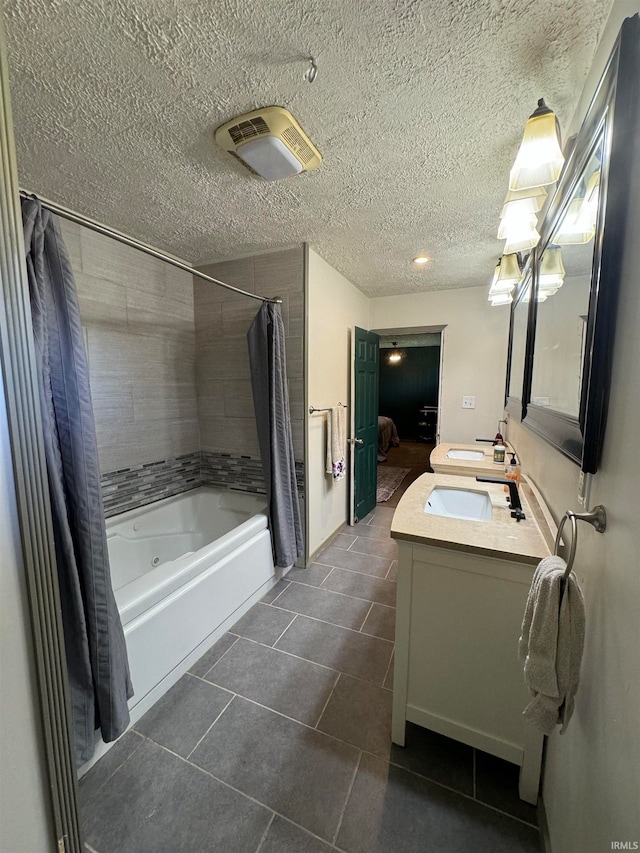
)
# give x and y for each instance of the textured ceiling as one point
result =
(418, 109)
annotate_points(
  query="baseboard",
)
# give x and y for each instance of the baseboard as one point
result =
(543, 825)
(326, 542)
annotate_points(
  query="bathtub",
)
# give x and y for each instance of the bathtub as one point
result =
(184, 570)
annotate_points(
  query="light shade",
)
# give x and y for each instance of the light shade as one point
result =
(523, 201)
(501, 299)
(578, 225)
(551, 270)
(540, 159)
(510, 272)
(516, 224)
(522, 241)
(498, 286)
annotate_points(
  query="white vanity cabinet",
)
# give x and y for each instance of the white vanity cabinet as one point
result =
(459, 613)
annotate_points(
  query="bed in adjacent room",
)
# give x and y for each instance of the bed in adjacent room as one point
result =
(387, 437)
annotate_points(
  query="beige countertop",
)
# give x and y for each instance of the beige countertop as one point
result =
(469, 467)
(503, 537)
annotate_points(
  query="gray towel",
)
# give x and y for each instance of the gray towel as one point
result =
(551, 643)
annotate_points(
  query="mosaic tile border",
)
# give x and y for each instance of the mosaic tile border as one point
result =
(139, 485)
(130, 488)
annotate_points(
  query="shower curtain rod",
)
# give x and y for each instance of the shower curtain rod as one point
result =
(72, 216)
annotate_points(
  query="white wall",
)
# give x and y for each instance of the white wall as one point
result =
(591, 784)
(473, 355)
(334, 307)
(25, 824)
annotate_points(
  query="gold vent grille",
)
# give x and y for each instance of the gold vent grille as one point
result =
(297, 144)
(248, 129)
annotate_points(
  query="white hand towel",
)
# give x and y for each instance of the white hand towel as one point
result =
(551, 643)
(336, 443)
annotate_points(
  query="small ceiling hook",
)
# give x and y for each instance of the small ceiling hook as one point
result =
(312, 71)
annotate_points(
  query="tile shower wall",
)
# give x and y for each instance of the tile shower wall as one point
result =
(222, 319)
(137, 313)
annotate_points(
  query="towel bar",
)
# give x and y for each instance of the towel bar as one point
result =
(313, 409)
(597, 518)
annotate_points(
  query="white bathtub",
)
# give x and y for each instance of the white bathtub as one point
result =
(184, 570)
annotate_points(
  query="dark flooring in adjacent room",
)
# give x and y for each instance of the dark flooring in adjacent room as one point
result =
(413, 455)
(278, 739)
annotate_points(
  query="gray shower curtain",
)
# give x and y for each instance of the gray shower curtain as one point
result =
(271, 401)
(94, 640)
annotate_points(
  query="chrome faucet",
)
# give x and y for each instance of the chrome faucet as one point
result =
(514, 497)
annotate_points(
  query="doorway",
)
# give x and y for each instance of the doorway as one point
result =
(409, 397)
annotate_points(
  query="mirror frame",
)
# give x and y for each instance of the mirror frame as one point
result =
(613, 115)
(517, 406)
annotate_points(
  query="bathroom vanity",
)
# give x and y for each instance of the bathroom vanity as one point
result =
(464, 571)
(467, 460)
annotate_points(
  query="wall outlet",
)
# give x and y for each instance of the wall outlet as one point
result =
(468, 402)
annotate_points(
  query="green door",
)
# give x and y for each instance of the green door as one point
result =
(365, 434)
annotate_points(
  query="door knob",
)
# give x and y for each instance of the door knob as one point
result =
(358, 441)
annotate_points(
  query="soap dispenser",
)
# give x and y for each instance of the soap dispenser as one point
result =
(512, 470)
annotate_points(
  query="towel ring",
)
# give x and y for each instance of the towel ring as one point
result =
(597, 518)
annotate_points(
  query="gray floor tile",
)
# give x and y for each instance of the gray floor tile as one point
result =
(376, 547)
(284, 837)
(157, 802)
(388, 682)
(343, 540)
(359, 713)
(263, 623)
(497, 785)
(382, 517)
(322, 604)
(365, 563)
(361, 586)
(439, 758)
(202, 666)
(341, 649)
(275, 591)
(297, 688)
(366, 531)
(180, 718)
(104, 769)
(393, 571)
(381, 622)
(299, 772)
(391, 809)
(313, 575)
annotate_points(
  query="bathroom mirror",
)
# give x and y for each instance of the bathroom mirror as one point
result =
(576, 268)
(564, 286)
(519, 334)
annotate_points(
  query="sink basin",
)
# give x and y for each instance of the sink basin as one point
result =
(475, 455)
(466, 504)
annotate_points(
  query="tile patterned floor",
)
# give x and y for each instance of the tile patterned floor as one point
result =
(277, 740)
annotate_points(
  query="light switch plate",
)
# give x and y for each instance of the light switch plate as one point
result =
(468, 402)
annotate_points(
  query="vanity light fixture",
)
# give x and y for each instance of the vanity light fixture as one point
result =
(421, 260)
(539, 160)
